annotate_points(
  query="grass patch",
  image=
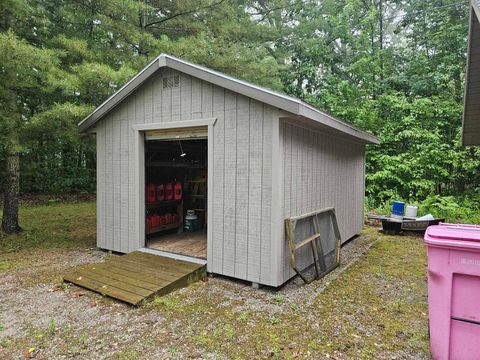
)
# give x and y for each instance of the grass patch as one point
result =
(6, 265)
(166, 301)
(128, 354)
(278, 298)
(380, 303)
(53, 225)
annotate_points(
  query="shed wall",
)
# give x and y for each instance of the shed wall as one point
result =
(241, 244)
(320, 171)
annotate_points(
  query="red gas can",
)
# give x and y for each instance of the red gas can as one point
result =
(160, 192)
(168, 191)
(178, 191)
(151, 193)
(162, 220)
(155, 220)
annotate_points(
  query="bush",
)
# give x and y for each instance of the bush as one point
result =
(462, 209)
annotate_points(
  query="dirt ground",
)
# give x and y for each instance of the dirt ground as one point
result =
(372, 306)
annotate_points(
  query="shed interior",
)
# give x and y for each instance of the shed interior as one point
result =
(176, 194)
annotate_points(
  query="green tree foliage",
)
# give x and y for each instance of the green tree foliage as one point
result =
(70, 55)
(54, 132)
(396, 69)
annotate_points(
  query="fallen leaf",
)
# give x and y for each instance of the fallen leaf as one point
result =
(56, 288)
(30, 353)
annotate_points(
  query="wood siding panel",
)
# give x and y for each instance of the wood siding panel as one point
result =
(241, 244)
(165, 100)
(100, 139)
(255, 164)
(127, 111)
(330, 171)
(157, 99)
(145, 102)
(230, 176)
(116, 174)
(242, 189)
(207, 100)
(108, 123)
(215, 259)
(267, 254)
(186, 96)
(196, 100)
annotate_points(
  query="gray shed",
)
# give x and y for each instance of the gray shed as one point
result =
(244, 157)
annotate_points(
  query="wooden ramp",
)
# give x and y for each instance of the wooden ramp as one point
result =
(136, 276)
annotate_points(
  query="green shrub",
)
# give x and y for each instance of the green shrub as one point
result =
(463, 209)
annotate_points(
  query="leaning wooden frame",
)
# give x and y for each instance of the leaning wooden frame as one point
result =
(315, 242)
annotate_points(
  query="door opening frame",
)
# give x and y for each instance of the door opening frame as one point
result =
(139, 136)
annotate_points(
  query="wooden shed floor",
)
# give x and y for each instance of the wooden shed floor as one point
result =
(136, 276)
(187, 243)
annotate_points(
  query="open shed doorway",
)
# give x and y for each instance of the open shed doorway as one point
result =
(176, 166)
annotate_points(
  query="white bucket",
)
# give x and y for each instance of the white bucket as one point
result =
(396, 217)
(411, 211)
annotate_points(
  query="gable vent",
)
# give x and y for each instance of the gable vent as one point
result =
(171, 81)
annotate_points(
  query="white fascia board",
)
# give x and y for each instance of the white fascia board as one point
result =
(264, 95)
(311, 113)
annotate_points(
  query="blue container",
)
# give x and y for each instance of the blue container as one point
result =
(398, 208)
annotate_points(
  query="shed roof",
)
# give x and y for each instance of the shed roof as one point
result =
(287, 103)
(471, 110)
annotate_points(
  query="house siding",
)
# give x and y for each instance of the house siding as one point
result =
(471, 116)
(242, 171)
(320, 171)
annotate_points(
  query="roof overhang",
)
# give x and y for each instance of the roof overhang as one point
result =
(471, 110)
(275, 99)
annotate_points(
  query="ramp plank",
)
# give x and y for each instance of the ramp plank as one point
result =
(104, 289)
(137, 276)
(142, 272)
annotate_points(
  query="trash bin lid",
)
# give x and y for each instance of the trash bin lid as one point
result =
(454, 235)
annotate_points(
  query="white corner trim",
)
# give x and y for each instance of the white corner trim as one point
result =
(175, 124)
(174, 256)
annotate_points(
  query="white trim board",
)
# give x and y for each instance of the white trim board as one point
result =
(174, 256)
(175, 124)
(140, 171)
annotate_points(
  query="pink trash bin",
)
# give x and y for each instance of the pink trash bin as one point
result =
(454, 291)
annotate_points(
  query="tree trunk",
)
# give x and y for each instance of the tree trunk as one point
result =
(11, 191)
